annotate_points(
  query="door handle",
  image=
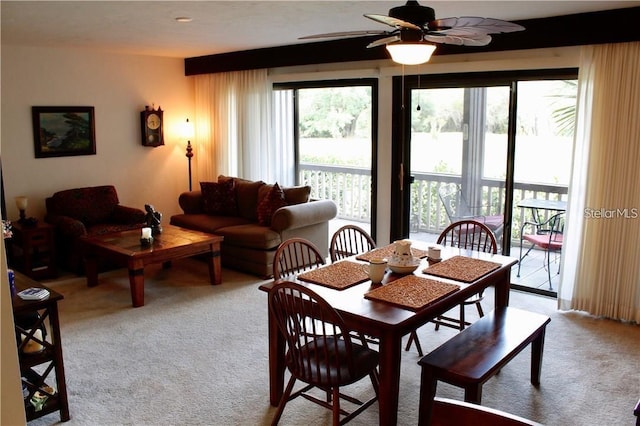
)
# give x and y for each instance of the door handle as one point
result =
(411, 179)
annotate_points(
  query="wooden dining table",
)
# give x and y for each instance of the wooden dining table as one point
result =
(389, 322)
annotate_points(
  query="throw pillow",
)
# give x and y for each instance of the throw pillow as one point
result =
(219, 198)
(269, 204)
(297, 194)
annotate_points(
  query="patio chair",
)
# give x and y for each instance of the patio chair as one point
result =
(547, 235)
(458, 209)
(322, 356)
(350, 240)
(295, 255)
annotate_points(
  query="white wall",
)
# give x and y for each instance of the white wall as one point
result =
(118, 87)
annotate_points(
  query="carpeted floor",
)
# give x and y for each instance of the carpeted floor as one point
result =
(196, 354)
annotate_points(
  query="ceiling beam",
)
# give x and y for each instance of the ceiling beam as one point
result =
(609, 26)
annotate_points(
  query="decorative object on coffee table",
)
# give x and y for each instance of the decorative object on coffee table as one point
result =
(146, 239)
(153, 219)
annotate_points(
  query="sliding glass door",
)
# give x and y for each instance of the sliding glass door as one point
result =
(458, 151)
(334, 144)
(479, 146)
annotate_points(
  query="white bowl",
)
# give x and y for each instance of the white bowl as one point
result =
(405, 267)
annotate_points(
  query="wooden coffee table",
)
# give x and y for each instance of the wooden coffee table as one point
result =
(125, 248)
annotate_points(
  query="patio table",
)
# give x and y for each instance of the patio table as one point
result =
(536, 204)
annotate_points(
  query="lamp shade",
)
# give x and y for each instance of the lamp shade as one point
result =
(22, 202)
(187, 130)
(412, 53)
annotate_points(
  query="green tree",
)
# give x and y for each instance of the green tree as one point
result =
(426, 117)
(334, 112)
(564, 103)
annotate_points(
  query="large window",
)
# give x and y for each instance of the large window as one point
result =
(332, 132)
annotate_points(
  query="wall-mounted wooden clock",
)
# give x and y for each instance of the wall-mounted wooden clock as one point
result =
(151, 124)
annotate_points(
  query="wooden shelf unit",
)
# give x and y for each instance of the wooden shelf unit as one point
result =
(36, 368)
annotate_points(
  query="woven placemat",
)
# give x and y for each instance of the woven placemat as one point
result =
(339, 275)
(412, 292)
(462, 268)
(387, 251)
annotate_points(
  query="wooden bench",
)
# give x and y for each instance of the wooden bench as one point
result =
(476, 354)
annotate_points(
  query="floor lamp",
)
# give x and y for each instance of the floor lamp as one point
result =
(188, 134)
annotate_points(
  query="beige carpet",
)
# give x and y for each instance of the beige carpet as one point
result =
(196, 354)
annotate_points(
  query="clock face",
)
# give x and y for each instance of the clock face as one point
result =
(153, 121)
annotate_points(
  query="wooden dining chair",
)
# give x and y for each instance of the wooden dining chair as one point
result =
(350, 240)
(319, 352)
(295, 255)
(467, 234)
(472, 235)
(347, 241)
(548, 235)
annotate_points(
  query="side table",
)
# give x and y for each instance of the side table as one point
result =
(36, 367)
(33, 250)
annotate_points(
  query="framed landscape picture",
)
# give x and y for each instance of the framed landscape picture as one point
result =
(63, 131)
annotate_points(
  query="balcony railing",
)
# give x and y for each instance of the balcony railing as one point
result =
(350, 188)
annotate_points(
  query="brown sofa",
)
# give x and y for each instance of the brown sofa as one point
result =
(251, 232)
(86, 211)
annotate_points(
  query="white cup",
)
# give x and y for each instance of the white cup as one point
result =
(376, 269)
(434, 252)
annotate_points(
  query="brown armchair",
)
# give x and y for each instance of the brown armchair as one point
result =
(87, 211)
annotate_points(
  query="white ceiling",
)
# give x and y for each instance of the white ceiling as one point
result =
(149, 27)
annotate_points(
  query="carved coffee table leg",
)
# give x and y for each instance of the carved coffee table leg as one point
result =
(136, 282)
(91, 270)
(215, 265)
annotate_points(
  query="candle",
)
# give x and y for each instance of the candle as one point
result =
(146, 233)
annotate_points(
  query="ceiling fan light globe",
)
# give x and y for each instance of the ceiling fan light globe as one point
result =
(410, 53)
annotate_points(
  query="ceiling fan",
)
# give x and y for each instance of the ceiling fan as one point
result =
(416, 27)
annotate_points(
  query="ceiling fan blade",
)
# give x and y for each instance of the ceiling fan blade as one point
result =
(345, 34)
(471, 40)
(393, 22)
(467, 25)
(382, 41)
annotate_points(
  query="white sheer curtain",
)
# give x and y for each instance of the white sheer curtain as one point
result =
(234, 126)
(601, 273)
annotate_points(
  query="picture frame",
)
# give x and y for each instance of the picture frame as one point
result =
(61, 131)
